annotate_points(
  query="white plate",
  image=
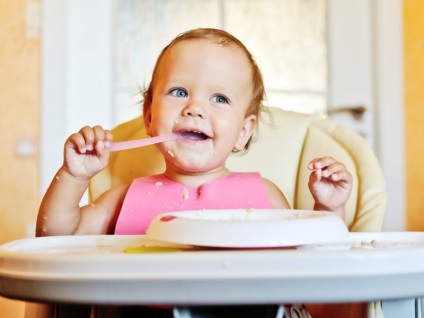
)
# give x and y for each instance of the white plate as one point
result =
(248, 228)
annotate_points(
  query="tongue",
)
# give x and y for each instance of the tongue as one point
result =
(193, 136)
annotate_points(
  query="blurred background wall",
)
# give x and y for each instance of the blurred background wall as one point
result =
(19, 129)
(413, 11)
(19, 113)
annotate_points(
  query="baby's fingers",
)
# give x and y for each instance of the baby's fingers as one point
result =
(102, 138)
(90, 138)
(78, 142)
(321, 163)
(329, 168)
(338, 176)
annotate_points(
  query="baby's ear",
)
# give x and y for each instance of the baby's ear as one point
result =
(147, 115)
(246, 132)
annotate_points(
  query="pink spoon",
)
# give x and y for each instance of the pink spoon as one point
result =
(124, 145)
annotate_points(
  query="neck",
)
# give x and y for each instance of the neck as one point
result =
(196, 179)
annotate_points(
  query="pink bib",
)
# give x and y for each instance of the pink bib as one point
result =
(149, 196)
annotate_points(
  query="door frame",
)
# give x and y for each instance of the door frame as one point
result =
(77, 84)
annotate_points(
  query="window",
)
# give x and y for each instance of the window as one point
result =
(286, 37)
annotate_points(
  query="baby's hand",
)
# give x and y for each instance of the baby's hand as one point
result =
(330, 184)
(87, 152)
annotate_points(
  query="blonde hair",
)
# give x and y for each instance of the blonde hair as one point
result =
(225, 39)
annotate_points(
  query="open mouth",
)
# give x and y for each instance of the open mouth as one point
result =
(193, 135)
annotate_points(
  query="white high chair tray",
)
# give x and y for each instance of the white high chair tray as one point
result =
(96, 270)
(248, 228)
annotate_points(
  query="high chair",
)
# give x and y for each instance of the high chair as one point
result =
(283, 146)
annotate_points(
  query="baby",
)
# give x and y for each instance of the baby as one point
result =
(206, 84)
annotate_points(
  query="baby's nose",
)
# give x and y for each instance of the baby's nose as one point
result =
(194, 109)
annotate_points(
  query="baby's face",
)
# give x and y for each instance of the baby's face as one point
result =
(203, 88)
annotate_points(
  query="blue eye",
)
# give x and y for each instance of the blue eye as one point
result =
(221, 99)
(179, 92)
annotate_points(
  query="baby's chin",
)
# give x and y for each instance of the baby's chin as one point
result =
(188, 167)
(190, 162)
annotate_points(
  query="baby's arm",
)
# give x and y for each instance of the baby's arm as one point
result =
(277, 197)
(330, 184)
(86, 154)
